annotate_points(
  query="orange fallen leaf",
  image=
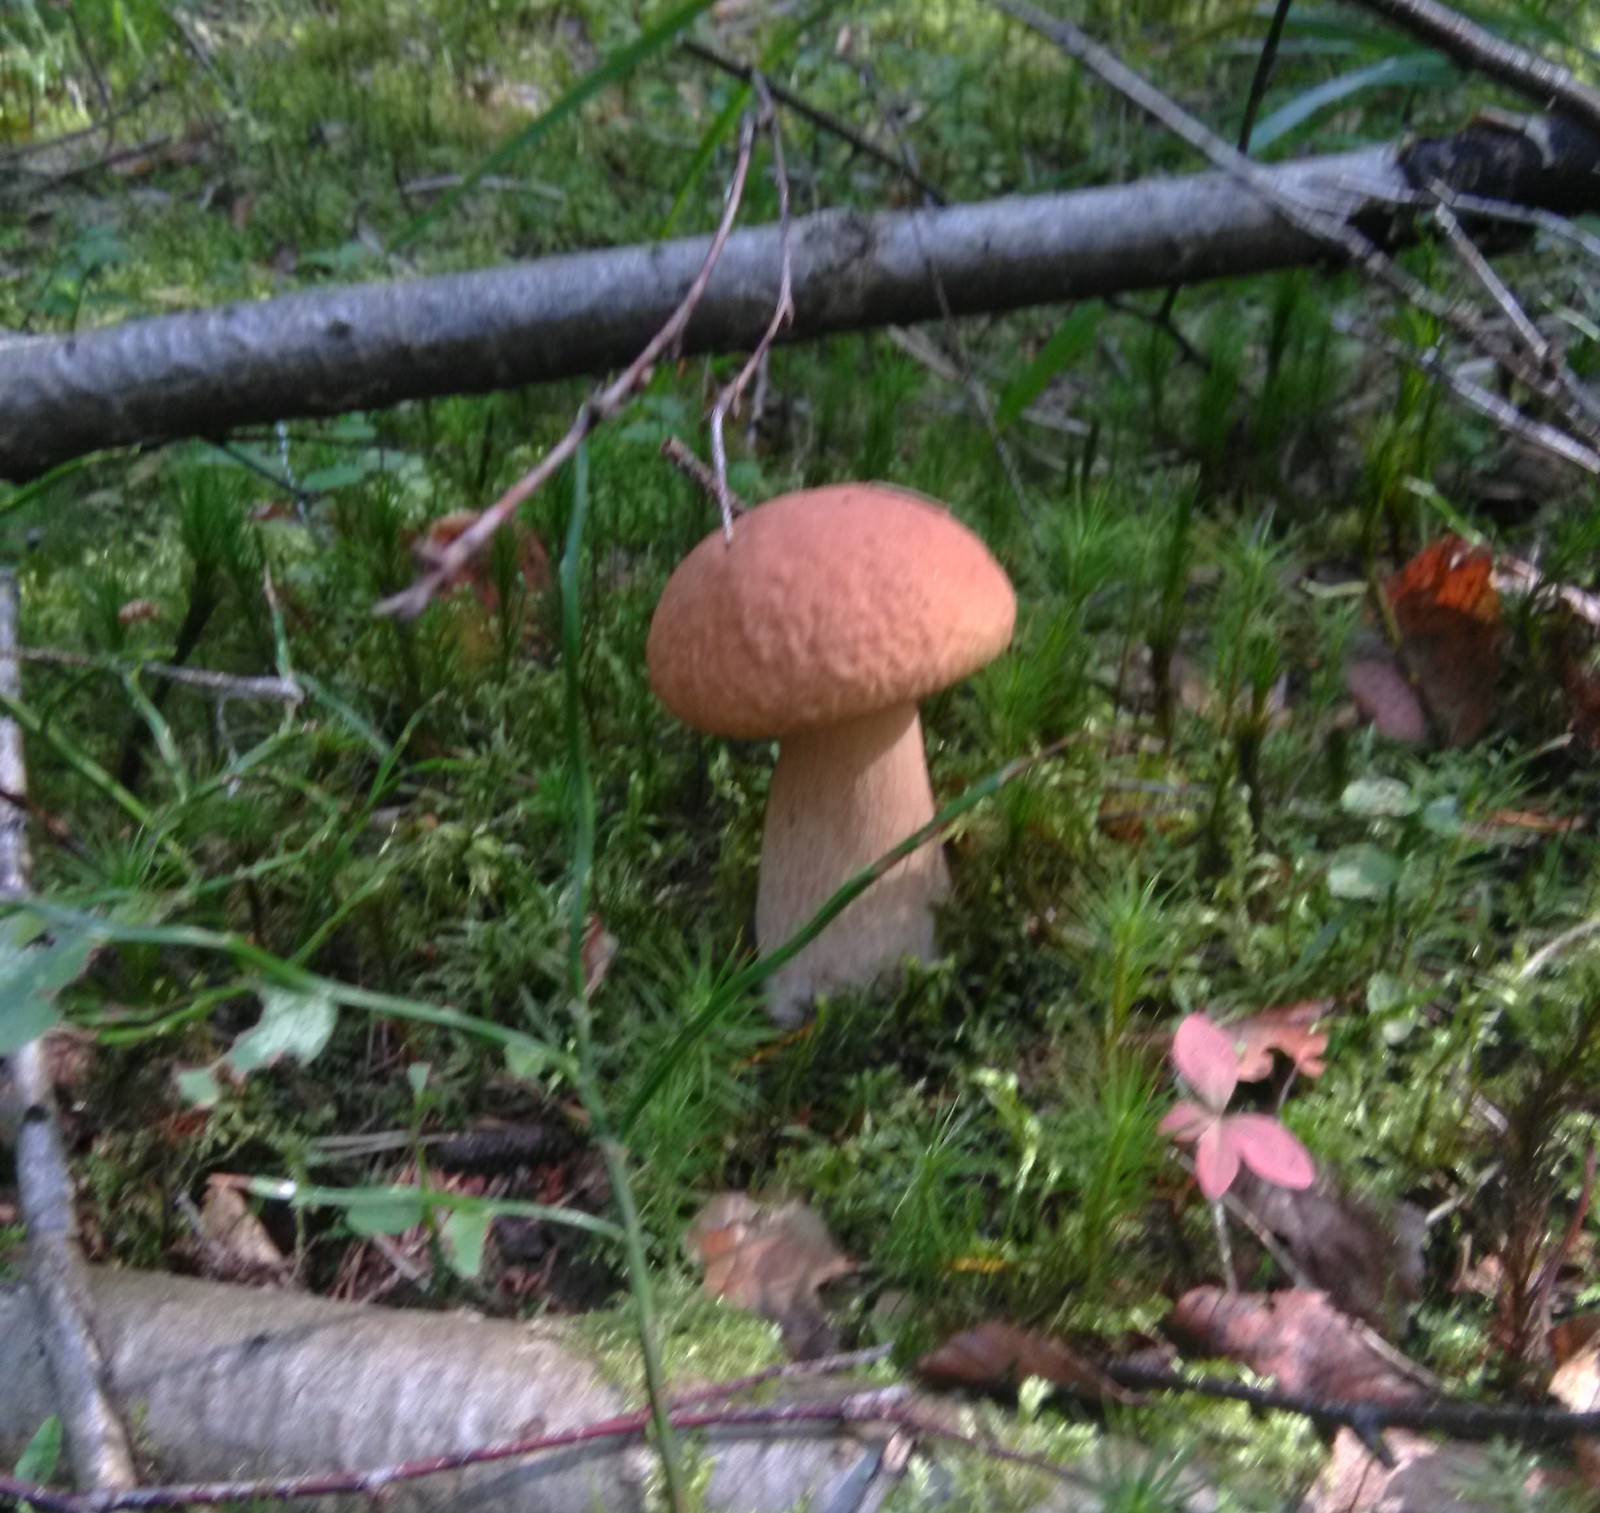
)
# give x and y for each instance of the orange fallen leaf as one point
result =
(1447, 611)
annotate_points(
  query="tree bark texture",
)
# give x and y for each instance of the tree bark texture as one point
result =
(230, 1382)
(329, 351)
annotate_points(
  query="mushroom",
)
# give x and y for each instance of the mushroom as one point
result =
(824, 620)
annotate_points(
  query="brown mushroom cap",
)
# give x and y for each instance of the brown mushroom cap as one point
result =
(827, 604)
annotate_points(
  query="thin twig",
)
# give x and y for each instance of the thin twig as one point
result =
(818, 118)
(600, 407)
(1476, 47)
(1532, 433)
(685, 461)
(224, 685)
(97, 1442)
(881, 1406)
(782, 314)
(1454, 1416)
(1539, 347)
(1551, 949)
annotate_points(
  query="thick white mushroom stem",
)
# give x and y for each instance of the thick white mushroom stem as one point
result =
(842, 795)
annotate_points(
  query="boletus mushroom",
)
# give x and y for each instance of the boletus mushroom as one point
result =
(824, 620)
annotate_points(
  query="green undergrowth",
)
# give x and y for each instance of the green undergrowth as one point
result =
(1191, 533)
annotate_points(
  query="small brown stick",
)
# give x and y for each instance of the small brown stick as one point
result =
(783, 312)
(598, 408)
(700, 475)
(818, 118)
(1476, 47)
(97, 1442)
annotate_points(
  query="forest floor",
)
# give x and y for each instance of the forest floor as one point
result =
(1202, 503)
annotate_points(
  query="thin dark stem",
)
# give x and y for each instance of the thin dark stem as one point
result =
(1263, 73)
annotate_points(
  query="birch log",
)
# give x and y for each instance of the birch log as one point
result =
(328, 351)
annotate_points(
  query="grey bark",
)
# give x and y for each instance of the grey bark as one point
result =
(232, 1382)
(324, 352)
(97, 1442)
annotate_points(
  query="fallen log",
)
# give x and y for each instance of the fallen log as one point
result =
(329, 351)
(231, 1382)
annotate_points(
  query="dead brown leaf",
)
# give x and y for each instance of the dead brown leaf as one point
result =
(237, 1247)
(1447, 611)
(1425, 1477)
(1297, 1337)
(772, 1261)
(1368, 1261)
(997, 1355)
(1576, 1384)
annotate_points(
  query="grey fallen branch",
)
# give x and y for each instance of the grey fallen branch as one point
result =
(325, 352)
(97, 1442)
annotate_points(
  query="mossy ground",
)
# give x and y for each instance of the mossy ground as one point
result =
(983, 1137)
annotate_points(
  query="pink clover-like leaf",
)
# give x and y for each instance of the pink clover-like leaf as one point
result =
(1270, 1151)
(1187, 1122)
(1216, 1160)
(1207, 1060)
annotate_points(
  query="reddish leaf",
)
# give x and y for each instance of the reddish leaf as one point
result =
(996, 1355)
(1448, 612)
(1187, 1122)
(1269, 1150)
(1206, 1060)
(1297, 1337)
(1289, 1030)
(1216, 1159)
(770, 1261)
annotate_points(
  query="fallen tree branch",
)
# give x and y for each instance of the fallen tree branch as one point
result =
(97, 1442)
(330, 351)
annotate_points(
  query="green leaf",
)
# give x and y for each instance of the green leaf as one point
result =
(1402, 70)
(198, 1085)
(609, 70)
(1442, 817)
(382, 1210)
(42, 1453)
(292, 1024)
(1362, 872)
(31, 974)
(1379, 798)
(464, 1232)
(1069, 341)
